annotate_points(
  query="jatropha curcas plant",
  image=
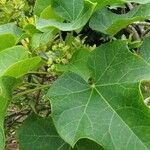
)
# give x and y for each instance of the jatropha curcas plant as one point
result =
(74, 75)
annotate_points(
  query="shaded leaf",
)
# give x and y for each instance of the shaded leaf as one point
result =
(110, 23)
(102, 3)
(40, 134)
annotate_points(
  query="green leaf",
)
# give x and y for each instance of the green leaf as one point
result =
(39, 133)
(40, 5)
(110, 23)
(31, 29)
(49, 13)
(68, 9)
(22, 67)
(76, 17)
(109, 109)
(10, 56)
(15, 62)
(6, 86)
(11, 28)
(78, 64)
(145, 49)
(7, 41)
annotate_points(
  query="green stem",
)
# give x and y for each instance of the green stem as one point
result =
(34, 72)
(30, 91)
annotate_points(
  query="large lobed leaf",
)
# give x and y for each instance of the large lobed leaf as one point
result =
(109, 109)
(110, 23)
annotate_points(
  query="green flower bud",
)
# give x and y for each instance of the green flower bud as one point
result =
(57, 60)
(53, 67)
(50, 61)
(69, 56)
(50, 53)
(64, 61)
(54, 47)
(49, 70)
(61, 45)
(66, 48)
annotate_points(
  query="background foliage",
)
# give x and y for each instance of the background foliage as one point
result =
(74, 74)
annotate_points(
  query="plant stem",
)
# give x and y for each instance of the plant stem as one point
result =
(30, 91)
(34, 72)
